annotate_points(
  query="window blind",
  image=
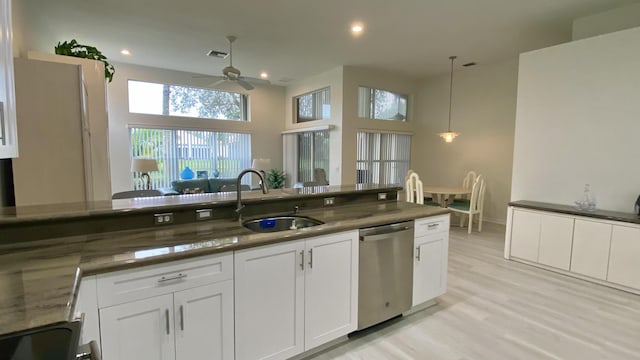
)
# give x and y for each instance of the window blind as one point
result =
(221, 153)
(382, 158)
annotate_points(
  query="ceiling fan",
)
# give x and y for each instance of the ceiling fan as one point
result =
(230, 73)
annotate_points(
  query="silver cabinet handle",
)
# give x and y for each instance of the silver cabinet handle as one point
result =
(418, 253)
(181, 317)
(302, 260)
(166, 314)
(171, 278)
(434, 225)
(311, 259)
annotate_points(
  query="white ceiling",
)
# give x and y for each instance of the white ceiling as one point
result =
(292, 39)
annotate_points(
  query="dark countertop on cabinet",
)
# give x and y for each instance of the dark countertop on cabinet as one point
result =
(39, 279)
(572, 210)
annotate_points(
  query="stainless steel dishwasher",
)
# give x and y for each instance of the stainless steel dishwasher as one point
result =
(386, 272)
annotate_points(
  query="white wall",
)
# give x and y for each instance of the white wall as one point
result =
(351, 123)
(333, 80)
(266, 114)
(484, 102)
(617, 19)
(578, 121)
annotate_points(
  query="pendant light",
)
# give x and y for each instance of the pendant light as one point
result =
(450, 135)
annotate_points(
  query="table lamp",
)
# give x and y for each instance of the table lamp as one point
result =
(144, 166)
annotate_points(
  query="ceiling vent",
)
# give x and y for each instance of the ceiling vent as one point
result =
(217, 54)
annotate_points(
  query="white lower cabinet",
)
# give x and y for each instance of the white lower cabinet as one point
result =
(525, 235)
(140, 330)
(187, 313)
(430, 267)
(590, 254)
(624, 259)
(294, 296)
(556, 236)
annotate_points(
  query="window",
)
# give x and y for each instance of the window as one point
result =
(383, 158)
(313, 153)
(313, 106)
(163, 99)
(221, 153)
(381, 104)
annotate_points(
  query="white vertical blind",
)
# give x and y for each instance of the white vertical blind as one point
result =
(223, 152)
(382, 158)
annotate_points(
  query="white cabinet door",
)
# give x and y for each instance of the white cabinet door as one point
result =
(331, 287)
(624, 260)
(140, 330)
(269, 293)
(204, 322)
(8, 125)
(525, 235)
(430, 267)
(556, 235)
(590, 254)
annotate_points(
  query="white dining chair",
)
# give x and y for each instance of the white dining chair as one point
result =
(467, 183)
(475, 205)
(413, 188)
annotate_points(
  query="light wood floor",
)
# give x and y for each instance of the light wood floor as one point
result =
(499, 309)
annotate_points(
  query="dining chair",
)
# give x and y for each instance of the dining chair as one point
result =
(467, 183)
(475, 205)
(413, 188)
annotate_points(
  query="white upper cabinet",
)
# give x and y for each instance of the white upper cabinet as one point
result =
(8, 126)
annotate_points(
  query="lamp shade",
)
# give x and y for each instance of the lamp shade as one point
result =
(261, 164)
(144, 165)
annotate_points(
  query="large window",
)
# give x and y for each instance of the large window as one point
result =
(163, 99)
(381, 104)
(383, 158)
(210, 153)
(315, 105)
(313, 154)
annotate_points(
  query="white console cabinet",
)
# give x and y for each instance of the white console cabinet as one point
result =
(8, 125)
(593, 249)
(294, 296)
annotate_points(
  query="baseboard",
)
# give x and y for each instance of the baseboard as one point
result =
(498, 221)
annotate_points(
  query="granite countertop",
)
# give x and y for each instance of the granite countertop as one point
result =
(572, 210)
(23, 214)
(39, 280)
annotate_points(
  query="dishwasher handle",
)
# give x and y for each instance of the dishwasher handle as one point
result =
(386, 235)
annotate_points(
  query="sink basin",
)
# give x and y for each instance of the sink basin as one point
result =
(280, 223)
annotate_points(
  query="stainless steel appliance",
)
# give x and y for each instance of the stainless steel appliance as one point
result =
(386, 272)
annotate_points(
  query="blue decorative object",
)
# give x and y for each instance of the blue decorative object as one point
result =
(187, 174)
(216, 173)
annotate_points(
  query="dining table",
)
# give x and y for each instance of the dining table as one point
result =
(443, 194)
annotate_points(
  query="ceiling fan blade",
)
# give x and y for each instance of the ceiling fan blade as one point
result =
(202, 76)
(256, 81)
(244, 84)
(218, 82)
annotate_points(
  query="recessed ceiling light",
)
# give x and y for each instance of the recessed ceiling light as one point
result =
(357, 28)
(125, 52)
(264, 75)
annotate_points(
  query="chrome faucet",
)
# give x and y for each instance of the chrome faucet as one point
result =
(263, 185)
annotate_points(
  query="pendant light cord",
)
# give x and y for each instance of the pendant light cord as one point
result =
(450, 91)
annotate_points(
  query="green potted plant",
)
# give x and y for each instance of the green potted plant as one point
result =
(72, 48)
(275, 179)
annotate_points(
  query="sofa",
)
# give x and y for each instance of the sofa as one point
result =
(212, 185)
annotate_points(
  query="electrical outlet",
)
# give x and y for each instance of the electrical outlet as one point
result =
(163, 219)
(382, 196)
(203, 214)
(329, 201)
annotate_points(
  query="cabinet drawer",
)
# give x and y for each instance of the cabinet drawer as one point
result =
(135, 284)
(432, 225)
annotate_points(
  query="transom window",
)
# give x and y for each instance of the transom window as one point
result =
(382, 104)
(315, 105)
(176, 100)
(382, 158)
(207, 153)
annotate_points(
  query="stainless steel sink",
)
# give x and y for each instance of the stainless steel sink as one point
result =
(280, 223)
